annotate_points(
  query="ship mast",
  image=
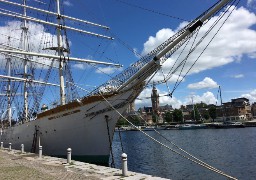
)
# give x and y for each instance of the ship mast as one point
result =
(60, 53)
(60, 49)
(8, 59)
(25, 75)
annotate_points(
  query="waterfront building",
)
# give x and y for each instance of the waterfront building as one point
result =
(189, 111)
(253, 109)
(238, 109)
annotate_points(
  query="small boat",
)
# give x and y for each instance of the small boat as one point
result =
(229, 125)
(190, 126)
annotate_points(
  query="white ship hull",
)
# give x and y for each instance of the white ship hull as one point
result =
(82, 128)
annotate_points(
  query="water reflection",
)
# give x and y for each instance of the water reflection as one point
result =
(230, 150)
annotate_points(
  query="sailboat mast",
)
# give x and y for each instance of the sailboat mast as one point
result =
(60, 53)
(25, 75)
(194, 113)
(223, 114)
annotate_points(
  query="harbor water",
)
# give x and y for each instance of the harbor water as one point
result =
(232, 151)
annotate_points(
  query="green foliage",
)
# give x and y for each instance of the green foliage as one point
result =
(200, 105)
(177, 115)
(206, 116)
(122, 122)
(195, 114)
(134, 120)
(212, 112)
(168, 116)
(154, 118)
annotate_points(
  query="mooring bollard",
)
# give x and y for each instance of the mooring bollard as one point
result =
(10, 146)
(69, 155)
(22, 148)
(124, 164)
(2, 145)
(40, 152)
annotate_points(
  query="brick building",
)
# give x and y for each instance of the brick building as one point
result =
(238, 109)
(253, 109)
(155, 111)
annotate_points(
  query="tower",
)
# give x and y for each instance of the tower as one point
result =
(155, 100)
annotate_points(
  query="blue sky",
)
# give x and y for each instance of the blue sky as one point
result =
(230, 61)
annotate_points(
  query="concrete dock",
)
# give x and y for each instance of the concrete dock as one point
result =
(27, 166)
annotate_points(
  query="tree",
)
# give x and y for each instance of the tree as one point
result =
(177, 115)
(195, 114)
(154, 118)
(201, 105)
(121, 122)
(212, 113)
(168, 116)
(135, 120)
(206, 116)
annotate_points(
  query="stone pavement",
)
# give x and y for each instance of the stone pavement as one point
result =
(27, 166)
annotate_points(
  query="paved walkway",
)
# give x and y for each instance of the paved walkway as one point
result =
(27, 166)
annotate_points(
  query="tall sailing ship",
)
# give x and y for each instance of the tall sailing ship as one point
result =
(85, 124)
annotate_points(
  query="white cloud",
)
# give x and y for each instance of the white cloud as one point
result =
(160, 77)
(208, 98)
(35, 34)
(251, 96)
(145, 100)
(234, 40)
(238, 76)
(206, 83)
(81, 66)
(160, 37)
(107, 70)
(67, 3)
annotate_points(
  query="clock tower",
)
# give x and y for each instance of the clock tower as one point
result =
(155, 100)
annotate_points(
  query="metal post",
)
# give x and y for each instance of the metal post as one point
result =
(40, 152)
(124, 164)
(69, 155)
(22, 148)
(2, 145)
(10, 146)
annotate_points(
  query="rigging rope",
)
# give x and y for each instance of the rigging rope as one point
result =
(125, 75)
(175, 145)
(110, 143)
(155, 140)
(210, 40)
(191, 50)
(185, 60)
(150, 10)
(120, 138)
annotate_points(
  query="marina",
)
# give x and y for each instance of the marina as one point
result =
(178, 126)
